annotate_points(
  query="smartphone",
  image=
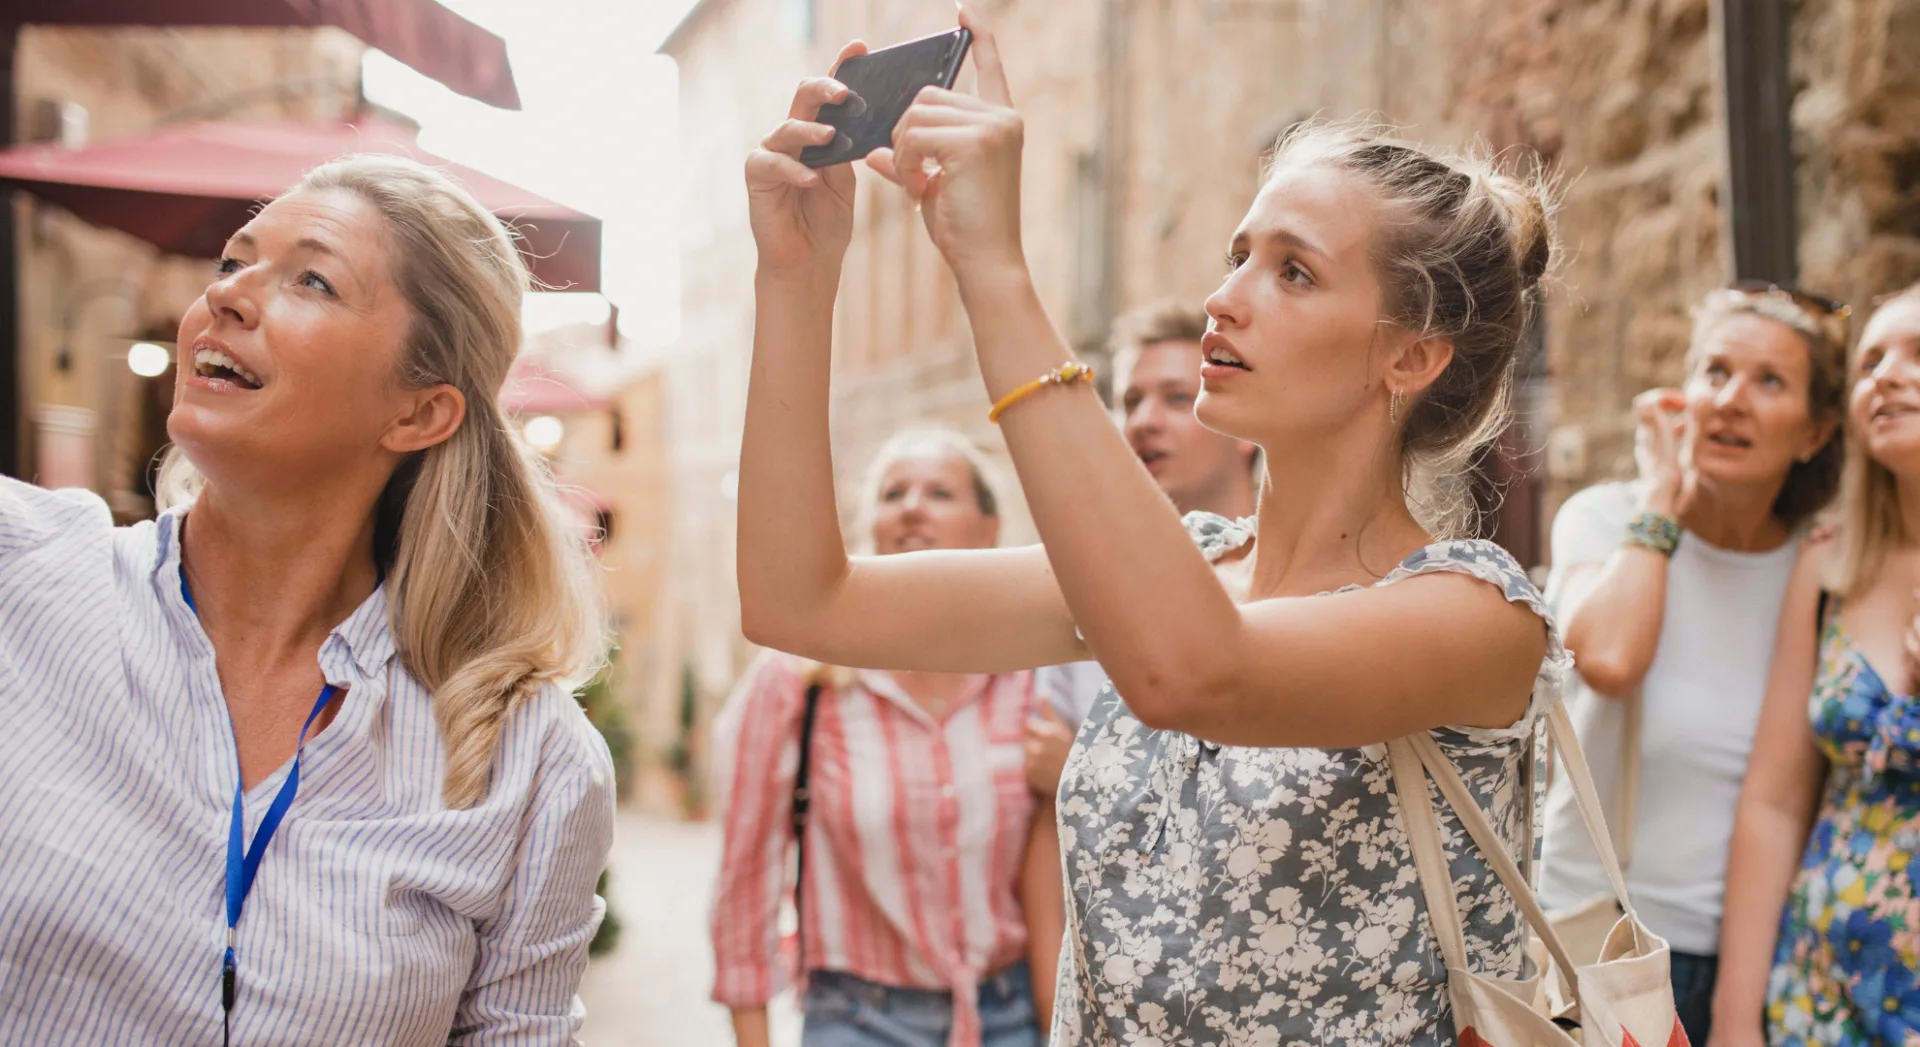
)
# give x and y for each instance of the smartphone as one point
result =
(883, 85)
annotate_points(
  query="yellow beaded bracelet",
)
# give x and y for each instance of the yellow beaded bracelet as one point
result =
(1065, 373)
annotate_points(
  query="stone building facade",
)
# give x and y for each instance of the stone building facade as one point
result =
(612, 463)
(87, 293)
(1147, 123)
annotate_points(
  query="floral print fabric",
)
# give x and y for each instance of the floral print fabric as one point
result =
(1844, 971)
(1244, 897)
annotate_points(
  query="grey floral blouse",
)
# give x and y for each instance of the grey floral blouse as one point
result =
(1243, 897)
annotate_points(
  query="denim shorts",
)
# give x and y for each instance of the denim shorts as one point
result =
(844, 1011)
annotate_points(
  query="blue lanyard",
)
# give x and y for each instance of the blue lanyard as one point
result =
(243, 861)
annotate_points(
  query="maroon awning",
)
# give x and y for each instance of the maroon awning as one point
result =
(421, 33)
(186, 188)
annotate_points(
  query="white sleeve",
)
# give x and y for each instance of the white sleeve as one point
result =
(31, 516)
(1070, 689)
(1587, 529)
(532, 954)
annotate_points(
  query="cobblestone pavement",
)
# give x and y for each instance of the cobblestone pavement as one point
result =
(652, 990)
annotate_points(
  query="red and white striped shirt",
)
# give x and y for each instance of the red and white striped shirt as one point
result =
(917, 829)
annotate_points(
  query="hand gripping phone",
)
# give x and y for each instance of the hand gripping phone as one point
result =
(883, 85)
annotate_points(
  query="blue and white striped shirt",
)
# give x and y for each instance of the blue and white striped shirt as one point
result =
(379, 916)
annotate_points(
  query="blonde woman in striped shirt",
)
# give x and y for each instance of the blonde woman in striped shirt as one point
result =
(296, 763)
(914, 931)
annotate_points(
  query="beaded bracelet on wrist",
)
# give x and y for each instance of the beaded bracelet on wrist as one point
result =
(1656, 531)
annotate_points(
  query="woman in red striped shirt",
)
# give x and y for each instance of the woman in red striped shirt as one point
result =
(911, 905)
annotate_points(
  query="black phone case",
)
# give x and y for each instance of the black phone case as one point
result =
(883, 85)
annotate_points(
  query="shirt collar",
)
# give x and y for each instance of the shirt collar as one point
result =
(364, 640)
(885, 686)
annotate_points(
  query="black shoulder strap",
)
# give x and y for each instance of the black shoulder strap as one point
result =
(802, 805)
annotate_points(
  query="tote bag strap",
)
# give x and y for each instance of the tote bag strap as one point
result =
(1413, 758)
(798, 815)
(1632, 715)
(1429, 856)
(1587, 798)
(1631, 718)
(1416, 756)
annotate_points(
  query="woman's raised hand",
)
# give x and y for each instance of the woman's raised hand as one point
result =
(801, 216)
(1663, 437)
(959, 156)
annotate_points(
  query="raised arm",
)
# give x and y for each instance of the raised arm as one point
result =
(1613, 608)
(1180, 651)
(974, 611)
(1777, 805)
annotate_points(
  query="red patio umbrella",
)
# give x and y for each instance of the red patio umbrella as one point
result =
(420, 33)
(186, 188)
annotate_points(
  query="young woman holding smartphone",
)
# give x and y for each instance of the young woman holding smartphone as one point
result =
(1235, 861)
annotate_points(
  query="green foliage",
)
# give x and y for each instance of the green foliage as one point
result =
(606, 714)
(610, 719)
(680, 753)
(607, 938)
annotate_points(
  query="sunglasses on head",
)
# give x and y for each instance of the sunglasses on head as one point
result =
(1819, 305)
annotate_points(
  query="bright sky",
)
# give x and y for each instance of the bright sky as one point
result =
(599, 132)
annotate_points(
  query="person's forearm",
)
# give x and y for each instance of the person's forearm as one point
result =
(1158, 625)
(1043, 969)
(791, 553)
(750, 1027)
(1043, 900)
(1613, 629)
(1761, 865)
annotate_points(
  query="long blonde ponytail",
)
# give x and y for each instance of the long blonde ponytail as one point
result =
(491, 591)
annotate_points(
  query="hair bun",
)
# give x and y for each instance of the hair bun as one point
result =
(1526, 205)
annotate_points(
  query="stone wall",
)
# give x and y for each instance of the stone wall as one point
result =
(1641, 160)
(1856, 121)
(1644, 149)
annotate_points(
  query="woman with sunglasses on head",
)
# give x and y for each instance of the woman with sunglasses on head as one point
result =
(1669, 588)
(1821, 942)
(1237, 868)
(296, 763)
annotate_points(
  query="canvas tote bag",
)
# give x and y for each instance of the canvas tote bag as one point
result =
(1621, 996)
(1584, 927)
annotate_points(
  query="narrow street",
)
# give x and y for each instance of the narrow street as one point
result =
(652, 991)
